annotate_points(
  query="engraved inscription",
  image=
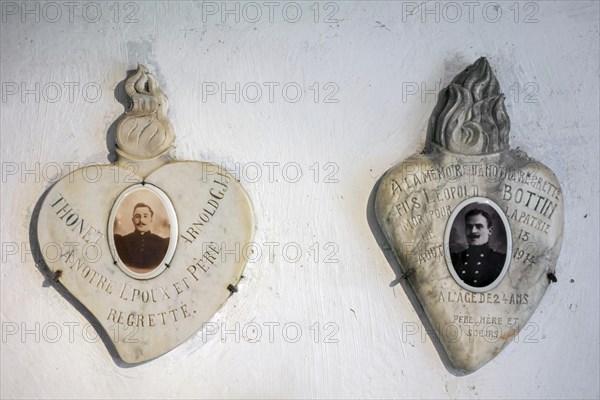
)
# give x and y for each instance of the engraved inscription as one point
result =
(216, 193)
(66, 213)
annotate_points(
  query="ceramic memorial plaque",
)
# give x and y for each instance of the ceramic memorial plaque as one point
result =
(476, 226)
(145, 243)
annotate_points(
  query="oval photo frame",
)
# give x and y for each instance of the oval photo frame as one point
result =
(140, 219)
(461, 261)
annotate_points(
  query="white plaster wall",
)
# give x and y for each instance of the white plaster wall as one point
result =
(374, 55)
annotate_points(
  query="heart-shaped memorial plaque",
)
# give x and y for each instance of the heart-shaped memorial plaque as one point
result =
(477, 227)
(147, 244)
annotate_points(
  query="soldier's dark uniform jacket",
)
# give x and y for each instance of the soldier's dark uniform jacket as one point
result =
(478, 266)
(141, 250)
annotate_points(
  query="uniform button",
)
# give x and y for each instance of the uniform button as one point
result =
(476, 272)
(467, 255)
(465, 263)
(475, 281)
(463, 272)
(478, 263)
(481, 254)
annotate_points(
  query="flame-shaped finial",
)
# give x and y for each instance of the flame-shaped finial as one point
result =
(470, 117)
(145, 132)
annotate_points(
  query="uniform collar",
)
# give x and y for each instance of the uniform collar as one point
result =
(479, 248)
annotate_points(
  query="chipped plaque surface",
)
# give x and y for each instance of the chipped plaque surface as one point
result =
(477, 227)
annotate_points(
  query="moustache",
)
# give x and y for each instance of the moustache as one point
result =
(473, 236)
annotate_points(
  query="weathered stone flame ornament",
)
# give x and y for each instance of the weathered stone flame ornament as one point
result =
(477, 227)
(145, 244)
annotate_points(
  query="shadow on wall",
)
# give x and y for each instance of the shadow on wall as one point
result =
(401, 279)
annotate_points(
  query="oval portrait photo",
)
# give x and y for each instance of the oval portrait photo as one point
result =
(477, 240)
(142, 231)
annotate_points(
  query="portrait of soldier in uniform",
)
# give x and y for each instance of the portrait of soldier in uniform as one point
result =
(480, 264)
(141, 250)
